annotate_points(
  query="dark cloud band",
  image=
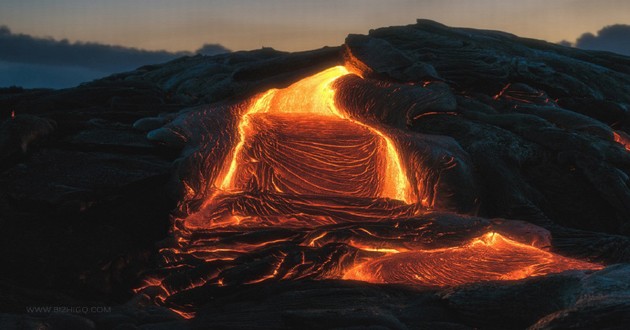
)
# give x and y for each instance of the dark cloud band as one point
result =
(23, 55)
(613, 38)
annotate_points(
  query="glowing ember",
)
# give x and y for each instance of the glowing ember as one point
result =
(623, 139)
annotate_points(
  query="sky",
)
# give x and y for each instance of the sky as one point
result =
(291, 25)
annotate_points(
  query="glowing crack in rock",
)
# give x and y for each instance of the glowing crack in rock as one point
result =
(623, 139)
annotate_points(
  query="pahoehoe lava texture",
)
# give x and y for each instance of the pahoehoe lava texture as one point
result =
(416, 177)
(311, 156)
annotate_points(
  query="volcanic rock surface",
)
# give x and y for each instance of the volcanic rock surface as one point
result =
(192, 195)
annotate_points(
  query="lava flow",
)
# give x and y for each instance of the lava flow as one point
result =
(308, 191)
(298, 141)
(489, 257)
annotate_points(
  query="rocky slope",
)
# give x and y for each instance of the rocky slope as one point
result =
(540, 132)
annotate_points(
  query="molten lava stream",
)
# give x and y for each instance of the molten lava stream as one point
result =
(303, 121)
(295, 194)
(296, 146)
(311, 155)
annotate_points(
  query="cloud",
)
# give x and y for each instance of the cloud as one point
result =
(44, 62)
(613, 38)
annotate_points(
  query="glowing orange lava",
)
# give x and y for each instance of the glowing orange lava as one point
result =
(312, 101)
(623, 139)
(489, 257)
(307, 191)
